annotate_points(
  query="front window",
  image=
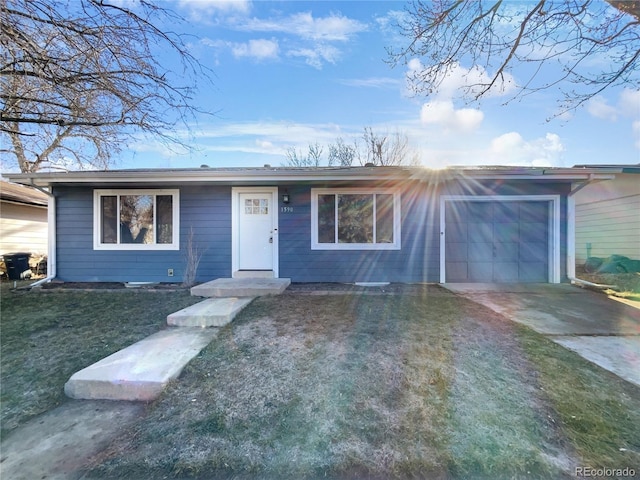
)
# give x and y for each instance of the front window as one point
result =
(344, 219)
(136, 219)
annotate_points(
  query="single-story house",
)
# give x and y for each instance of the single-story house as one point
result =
(23, 219)
(608, 215)
(327, 224)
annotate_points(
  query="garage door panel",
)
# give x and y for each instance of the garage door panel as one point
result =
(480, 271)
(506, 252)
(534, 232)
(533, 272)
(456, 212)
(506, 212)
(458, 231)
(534, 211)
(480, 212)
(457, 272)
(456, 252)
(505, 272)
(480, 232)
(506, 232)
(480, 252)
(532, 252)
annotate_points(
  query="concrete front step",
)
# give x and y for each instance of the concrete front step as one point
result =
(142, 370)
(213, 312)
(241, 287)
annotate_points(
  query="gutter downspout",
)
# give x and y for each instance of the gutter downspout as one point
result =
(51, 253)
(571, 233)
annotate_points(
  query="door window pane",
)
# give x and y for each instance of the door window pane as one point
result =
(256, 206)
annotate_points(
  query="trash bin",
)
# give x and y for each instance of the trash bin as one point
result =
(17, 264)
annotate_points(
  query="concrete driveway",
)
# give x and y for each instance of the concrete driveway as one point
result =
(600, 329)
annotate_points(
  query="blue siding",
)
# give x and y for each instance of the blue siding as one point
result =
(206, 209)
(416, 261)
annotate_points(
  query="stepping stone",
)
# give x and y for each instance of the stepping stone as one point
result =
(142, 370)
(241, 287)
(214, 312)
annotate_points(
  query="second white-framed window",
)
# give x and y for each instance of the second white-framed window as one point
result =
(355, 219)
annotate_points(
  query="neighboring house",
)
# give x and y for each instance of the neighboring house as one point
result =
(608, 215)
(23, 219)
(357, 224)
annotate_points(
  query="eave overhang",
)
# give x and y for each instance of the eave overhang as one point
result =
(284, 175)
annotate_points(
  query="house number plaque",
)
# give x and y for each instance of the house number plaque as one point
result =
(286, 209)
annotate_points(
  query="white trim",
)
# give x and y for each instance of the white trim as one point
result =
(174, 245)
(235, 230)
(554, 224)
(282, 174)
(397, 220)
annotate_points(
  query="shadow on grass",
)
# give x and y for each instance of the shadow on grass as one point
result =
(357, 386)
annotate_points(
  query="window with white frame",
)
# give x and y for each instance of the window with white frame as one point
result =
(355, 219)
(136, 220)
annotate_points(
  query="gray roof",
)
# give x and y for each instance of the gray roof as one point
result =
(268, 175)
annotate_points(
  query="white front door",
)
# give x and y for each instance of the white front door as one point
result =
(255, 229)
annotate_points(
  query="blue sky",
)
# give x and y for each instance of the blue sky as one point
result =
(288, 74)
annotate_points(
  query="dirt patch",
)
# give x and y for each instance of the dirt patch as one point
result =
(60, 443)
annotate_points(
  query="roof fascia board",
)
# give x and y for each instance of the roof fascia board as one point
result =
(584, 176)
(173, 177)
(183, 177)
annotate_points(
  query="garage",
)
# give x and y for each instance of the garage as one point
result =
(498, 239)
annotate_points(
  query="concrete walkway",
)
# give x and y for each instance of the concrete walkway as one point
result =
(603, 331)
(142, 370)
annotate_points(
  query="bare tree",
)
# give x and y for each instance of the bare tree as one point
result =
(79, 78)
(561, 44)
(341, 154)
(296, 158)
(375, 149)
(385, 150)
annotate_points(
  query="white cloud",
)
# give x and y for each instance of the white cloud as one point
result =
(443, 113)
(334, 27)
(461, 80)
(314, 38)
(512, 149)
(628, 105)
(261, 49)
(198, 8)
(318, 56)
(600, 108)
(373, 82)
(629, 102)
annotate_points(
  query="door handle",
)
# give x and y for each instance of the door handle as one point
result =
(270, 239)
